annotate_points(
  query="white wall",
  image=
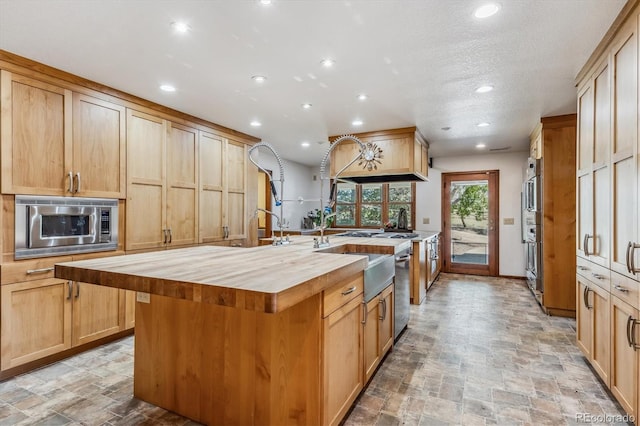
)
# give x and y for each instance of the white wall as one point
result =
(298, 182)
(511, 167)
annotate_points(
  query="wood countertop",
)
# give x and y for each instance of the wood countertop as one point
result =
(265, 279)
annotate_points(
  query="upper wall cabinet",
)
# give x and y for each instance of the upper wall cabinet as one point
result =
(404, 157)
(55, 142)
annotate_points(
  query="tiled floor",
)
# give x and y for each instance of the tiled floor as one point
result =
(479, 351)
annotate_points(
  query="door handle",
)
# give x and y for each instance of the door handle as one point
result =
(70, 182)
(77, 183)
(585, 244)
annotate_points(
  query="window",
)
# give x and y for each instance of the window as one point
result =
(374, 205)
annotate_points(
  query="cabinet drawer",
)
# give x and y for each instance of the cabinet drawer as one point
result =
(625, 289)
(597, 274)
(342, 293)
(28, 270)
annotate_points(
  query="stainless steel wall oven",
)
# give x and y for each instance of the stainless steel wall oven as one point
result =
(50, 226)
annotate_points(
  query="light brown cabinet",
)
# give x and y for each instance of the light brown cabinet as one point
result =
(405, 154)
(592, 325)
(378, 330)
(47, 316)
(161, 208)
(608, 229)
(342, 348)
(625, 354)
(55, 142)
(222, 189)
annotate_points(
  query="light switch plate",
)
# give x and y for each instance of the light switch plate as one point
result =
(509, 221)
(143, 297)
(425, 220)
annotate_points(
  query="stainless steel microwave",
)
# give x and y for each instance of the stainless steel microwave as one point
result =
(52, 226)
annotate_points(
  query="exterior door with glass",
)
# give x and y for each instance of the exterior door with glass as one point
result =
(469, 222)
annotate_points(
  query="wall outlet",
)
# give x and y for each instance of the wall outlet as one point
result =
(425, 221)
(509, 221)
(143, 297)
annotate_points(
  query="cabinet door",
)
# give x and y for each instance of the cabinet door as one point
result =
(98, 311)
(584, 320)
(624, 150)
(36, 320)
(236, 190)
(624, 358)
(35, 122)
(386, 320)
(145, 216)
(598, 300)
(371, 338)
(212, 183)
(129, 309)
(343, 378)
(182, 183)
(99, 149)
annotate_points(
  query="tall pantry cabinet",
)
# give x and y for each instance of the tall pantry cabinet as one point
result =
(608, 207)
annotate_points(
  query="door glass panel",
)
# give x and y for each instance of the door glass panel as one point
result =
(469, 222)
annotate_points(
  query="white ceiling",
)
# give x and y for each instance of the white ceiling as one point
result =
(419, 61)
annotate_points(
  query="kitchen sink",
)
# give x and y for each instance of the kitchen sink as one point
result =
(378, 274)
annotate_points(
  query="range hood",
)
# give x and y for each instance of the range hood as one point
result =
(404, 157)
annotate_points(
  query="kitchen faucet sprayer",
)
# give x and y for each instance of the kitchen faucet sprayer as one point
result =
(368, 155)
(271, 181)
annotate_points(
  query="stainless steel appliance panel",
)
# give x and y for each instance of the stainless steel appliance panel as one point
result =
(50, 226)
(402, 296)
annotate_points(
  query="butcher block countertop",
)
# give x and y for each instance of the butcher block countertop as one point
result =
(265, 279)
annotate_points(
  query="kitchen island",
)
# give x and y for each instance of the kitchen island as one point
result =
(265, 335)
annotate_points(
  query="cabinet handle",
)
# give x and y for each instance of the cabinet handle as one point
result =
(170, 236)
(583, 268)
(236, 245)
(366, 313)
(77, 290)
(226, 231)
(629, 257)
(586, 298)
(632, 258)
(39, 271)
(597, 276)
(164, 233)
(349, 291)
(585, 244)
(630, 321)
(636, 346)
(77, 182)
(69, 289)
(620, 288)
(381, 303)
(70, 182)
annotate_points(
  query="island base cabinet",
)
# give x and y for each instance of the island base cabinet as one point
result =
(343, 378)
(221, 365)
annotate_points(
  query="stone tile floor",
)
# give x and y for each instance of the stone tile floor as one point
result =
(479, 351)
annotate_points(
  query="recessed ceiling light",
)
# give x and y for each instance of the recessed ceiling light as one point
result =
(447, 128)
(180, 27)
(357, 122)
(480, 145)
(306, 106)
(265, 2)
(487, 10)
(259, 78)
(362, 97)
(483, 124)
(305, 144)
(484, 89)
(255, 123)
(328, 63)
(167, 88)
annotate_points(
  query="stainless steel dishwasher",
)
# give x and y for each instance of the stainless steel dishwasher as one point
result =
(401, 305)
